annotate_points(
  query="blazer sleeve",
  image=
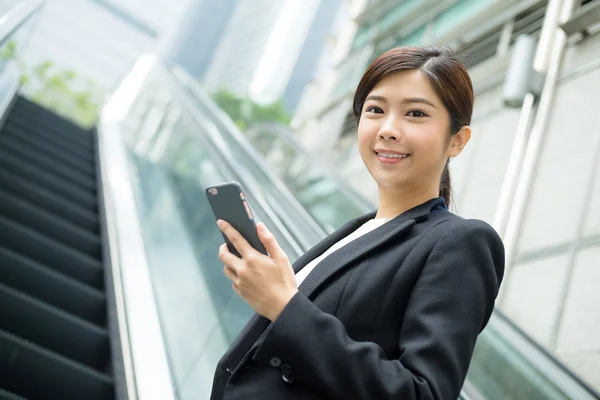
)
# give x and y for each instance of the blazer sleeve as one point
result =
(450, 304)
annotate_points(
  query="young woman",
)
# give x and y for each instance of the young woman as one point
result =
(390, 305)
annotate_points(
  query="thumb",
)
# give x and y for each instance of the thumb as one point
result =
(270, 243)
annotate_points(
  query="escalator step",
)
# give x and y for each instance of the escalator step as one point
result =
(4, 395)
(34, 112)
(47, 180)
(45, 160)
(31, 371)
(54, 329)
(80, 157)
(49, 201)
(50, 225)
(51, 253)
(72, 138)
(34, 279)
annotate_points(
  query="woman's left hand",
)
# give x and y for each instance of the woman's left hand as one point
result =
(266, 283)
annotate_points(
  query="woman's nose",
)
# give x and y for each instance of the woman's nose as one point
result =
(389, 131)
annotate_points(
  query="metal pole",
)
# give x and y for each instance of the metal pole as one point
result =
(548, 58)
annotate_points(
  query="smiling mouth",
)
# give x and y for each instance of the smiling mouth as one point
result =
(391, 158)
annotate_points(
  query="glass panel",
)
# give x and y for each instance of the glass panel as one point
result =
(564, 170)
(458, 14)
(309, 181)
(414, 39)
(6, 5)
(397, 13)
(364, 34)
(172, 162)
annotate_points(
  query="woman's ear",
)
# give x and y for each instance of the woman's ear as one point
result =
(459, 141)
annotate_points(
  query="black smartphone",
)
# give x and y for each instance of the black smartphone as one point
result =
(228, 202)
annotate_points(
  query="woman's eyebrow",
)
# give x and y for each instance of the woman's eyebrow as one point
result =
(421, 100)
(407, 100)
(376, 98)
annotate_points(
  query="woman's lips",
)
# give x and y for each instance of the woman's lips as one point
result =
(390, 160)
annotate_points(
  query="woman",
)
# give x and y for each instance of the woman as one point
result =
(390, 305)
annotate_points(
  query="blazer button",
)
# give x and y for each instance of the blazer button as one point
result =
(288, 379)
(275, 362)
(286, 369)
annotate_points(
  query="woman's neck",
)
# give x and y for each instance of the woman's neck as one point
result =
(394, 202)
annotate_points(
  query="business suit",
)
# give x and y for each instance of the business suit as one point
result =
(393, 314)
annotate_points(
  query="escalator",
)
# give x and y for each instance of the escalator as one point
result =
(54, 337)
(110, 282)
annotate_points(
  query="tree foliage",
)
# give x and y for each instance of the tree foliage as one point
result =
(245, 112)
(61, 90)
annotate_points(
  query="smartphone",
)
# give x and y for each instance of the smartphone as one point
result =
(229, 203)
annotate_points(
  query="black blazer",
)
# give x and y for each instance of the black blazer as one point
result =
(393, 314)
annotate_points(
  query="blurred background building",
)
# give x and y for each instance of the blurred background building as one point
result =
(531, 170)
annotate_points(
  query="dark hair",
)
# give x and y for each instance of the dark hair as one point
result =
(446, 73)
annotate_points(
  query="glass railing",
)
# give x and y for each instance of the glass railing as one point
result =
(236, 144)
(313, 187)
(170, 152)
(17, 20)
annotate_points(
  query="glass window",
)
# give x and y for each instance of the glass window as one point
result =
(398, 13)
(363, 35)
(458, 14)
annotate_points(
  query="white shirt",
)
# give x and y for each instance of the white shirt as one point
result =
(363, 229)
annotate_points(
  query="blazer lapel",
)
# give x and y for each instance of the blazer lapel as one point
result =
(360, 247)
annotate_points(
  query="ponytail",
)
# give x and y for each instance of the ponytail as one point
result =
(445, 185)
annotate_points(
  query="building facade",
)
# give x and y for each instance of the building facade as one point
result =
(193, 42)
(533, 171)
(98, 39)
(314, 42)
(244, 40)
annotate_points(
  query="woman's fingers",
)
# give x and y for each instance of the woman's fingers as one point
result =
(268, 240)
(229, 259)
(238, 241)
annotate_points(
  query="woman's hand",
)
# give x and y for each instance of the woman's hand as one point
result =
(266, 283)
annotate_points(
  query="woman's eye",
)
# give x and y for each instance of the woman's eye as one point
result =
(416, 113)
(374, 109)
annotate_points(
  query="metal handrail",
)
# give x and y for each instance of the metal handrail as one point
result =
(283, 132)
(556, 372)
(17, 17)
(251, 186)
(238, 137)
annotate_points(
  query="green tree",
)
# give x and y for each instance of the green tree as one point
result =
(245, 112)
(61, 90)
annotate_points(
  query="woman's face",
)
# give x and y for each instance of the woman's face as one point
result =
(403, 118)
